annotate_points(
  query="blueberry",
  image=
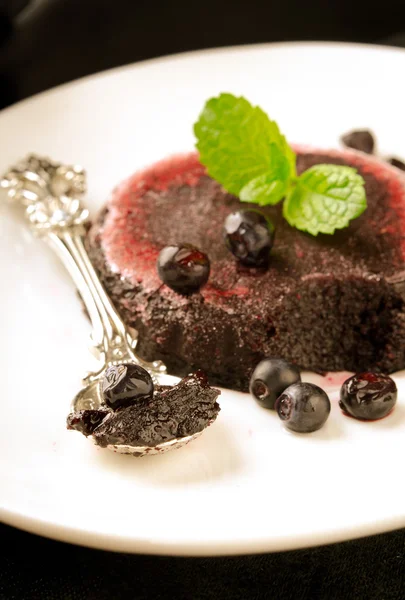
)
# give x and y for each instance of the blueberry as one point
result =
(249, 235)
(123, 385)
(368, 396)
(399, 164)
(86, 421)
(303, 407)
(183, 268)
(270, 378)
(359, 140)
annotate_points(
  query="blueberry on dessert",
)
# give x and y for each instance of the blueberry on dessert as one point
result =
(249, 235)
(270, 378)
(125, 384)
(183, 268)
(303, 407)
(362, 140)
(368, 396)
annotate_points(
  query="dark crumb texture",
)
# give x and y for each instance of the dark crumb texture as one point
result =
(174, 412)
(86, 421)
(325, 303)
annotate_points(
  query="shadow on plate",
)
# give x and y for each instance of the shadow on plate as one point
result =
(212, 456)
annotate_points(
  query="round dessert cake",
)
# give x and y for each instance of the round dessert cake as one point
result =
(327, 303)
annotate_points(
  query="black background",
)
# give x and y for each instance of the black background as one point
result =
(40, 569)
(47, 42)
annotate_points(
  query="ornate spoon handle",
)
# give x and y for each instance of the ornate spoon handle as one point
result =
(51, 194)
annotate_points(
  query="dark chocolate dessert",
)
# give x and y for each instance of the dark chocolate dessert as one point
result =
(326, 302)
(173, 412)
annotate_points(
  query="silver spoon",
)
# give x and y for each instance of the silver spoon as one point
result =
(51, 195)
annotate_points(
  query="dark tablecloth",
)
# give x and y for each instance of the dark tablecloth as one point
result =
(35, 568)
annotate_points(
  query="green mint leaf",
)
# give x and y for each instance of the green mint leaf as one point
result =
(290, 156)
(325, 198)
(270, 187)
(238, 143)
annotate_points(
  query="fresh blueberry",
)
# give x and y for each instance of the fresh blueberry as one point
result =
(362, 140)
(249, 235)
(368, 396)
(86, 421)
(270, 378)
(183, 268)
(303, 407)
(123, 385)
(399, 164)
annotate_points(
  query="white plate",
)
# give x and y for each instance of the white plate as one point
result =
(245, 485)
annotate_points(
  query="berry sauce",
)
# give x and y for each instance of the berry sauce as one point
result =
(126, 214)
(131, 246)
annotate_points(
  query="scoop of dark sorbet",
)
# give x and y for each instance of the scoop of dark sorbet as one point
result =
(173, 412)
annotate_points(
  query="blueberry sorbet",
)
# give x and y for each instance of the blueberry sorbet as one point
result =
(326, 303)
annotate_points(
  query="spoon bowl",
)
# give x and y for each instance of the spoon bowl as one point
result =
(89, 398)
(139, 451)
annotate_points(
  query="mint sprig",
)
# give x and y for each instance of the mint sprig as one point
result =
(271, 186)
(237, 143)
(244, 151)
(325, 198)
